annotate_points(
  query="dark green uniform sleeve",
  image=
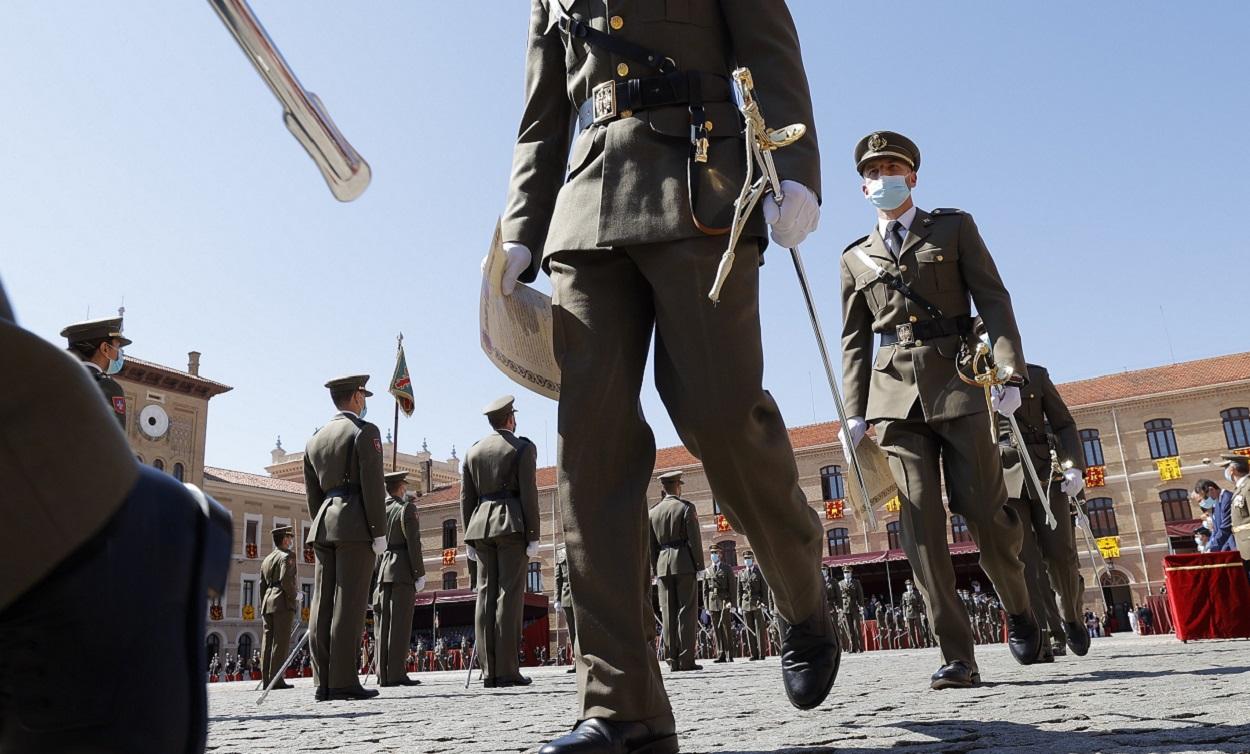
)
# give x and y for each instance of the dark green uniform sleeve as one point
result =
(372, 481)
(527, 463)
(468, 492)
(694, 536)
(856, 345)
(287, 580)
(1061, 423)
(312, 489)
(412, 535)
(992, 300)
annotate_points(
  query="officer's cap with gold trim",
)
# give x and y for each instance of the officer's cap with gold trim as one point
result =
(95, 330)
(1237, 458)
(669, 477)
(500, 407)
(280, 532)
(395, 477)
(748, 554)
(886, 144)
(350, 382)
(715, 547)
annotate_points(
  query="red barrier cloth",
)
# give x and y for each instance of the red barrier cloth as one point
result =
(1161, 614)
(1209, 595)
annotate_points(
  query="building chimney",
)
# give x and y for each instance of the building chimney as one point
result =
(193, 362)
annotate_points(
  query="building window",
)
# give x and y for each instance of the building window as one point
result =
(449, 534)
(839, 542)
(1236, 427)
(1175, 505)
(1093, 447)
(310, 556)
(729, 552)
(251, 536)
(449, 580)
(832, 485)
(892, 531)
(534, 578)
(249, 595)
(178, 472)
(306, 588)
(212, 647)
(1161, 438)
(158, 464)
(1102, 517)
(715, 507)
(959, 529)
(245, 649)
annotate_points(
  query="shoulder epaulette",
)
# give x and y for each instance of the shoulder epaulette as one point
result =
(854, 243)
(947, 211)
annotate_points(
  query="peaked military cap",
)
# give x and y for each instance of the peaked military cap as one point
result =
(748, 554)
(670, 476)
(886, 144)
(393, 477)
(350, 382)
(500, 406)
(95, 329)
(715, 547)
(1237, 458)
(284, 530)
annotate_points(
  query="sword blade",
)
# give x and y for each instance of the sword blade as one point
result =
(1030, 472)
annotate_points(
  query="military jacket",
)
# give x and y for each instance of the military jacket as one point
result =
(912, 603)
(1042, 416)
(564, 590)
(944, 260)
(852, 595)
(402, 562)
(1240, 511)
(343, 481)
(720, 587)
(113, 392)
(278, 571)
(498, 490)
(752, 589)
(879, 614)
(833, 594)
(625, 182)
(676, 543)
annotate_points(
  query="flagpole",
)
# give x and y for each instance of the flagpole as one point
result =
(395, 436)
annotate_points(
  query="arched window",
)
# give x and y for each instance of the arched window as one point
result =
(1161, 438)
(839, 541)
(449, 579)
(534, 578)
(245, 647)
(959, 529)
(729, 552)
(1175, 505)
(212, 647)
(449, 534)
(178, 472)
(1102, 517)
(832, 484)
(1236, 427)
(893, 531)
(1092, 445)
(158, 464)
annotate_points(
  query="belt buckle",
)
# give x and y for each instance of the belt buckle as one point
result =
(603, 98)
(905, 334)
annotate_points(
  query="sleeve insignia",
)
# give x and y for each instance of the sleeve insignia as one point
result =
(1240, 502)
(119, 404)
(377, 444)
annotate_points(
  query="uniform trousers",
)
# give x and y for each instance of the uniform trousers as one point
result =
(336, 621)
(723, 625)
(275, 642)
(679, 611)
(394, 632)
(1052, 553)
(500, 595)
(709, 373)
(855, 627)
(757, 633)
(963, 452)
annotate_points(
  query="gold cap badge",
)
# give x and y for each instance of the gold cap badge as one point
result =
(877, 142)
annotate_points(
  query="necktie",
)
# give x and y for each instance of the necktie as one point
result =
(894, 237)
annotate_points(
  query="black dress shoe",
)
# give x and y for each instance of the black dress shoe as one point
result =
(1078, 638)
(692, 667)
(350, 694)
(1023, 638)
(400, 682)
(520, 680)
(599, 736)
(571, 670)
(810, 655)
(489, 683)
(720, 658)
(955, 675)
(280, 685)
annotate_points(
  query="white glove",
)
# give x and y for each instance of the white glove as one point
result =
(470, 552)
(531, 549)
(519, 258)
(558, 606)
(379, 545)
(1005, 399)
(852, 432)
(421, 584)
(1073, 482)
(797, 216)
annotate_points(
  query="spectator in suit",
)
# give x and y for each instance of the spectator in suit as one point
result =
(1221, 514)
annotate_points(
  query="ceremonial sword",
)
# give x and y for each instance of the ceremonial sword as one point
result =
(760, 144)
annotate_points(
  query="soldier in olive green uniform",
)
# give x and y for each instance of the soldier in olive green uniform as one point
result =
(99, 343)
(1237, 470)
(752, 601)
(853, 607)
(564, 597)
(720, 589)
(401, 574)
(347, 504)
(911, 284)
(913, 606)
(624, 222)
(676, 560)
(499, 507)
(833, 596)
(278, 605)
(1045, 423)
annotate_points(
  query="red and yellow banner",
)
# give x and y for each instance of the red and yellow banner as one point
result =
(835, 509)
(449, 556)
(1096, 476)
(249, 612)
(722, 523)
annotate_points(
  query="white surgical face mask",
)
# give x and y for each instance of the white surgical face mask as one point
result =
(715, 558)
(1228, 473)
(888, 192)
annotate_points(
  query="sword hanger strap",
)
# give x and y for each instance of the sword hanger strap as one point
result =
(579, 29)
(894, 282)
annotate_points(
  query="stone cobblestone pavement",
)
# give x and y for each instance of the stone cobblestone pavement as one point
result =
(1130, 694)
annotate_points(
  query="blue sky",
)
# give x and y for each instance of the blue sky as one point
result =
(1099, 145)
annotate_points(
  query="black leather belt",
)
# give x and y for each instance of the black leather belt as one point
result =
(620, 99)
(912, 333)
(675, 544)
(346, 490)
(397, 548)
(500, 495)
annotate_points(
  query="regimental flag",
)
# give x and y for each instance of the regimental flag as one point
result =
(1109, 546)
(1169, 468)
(1095, 476)
(722, 523)
(449, 556)
(401, 383)
(835, 509)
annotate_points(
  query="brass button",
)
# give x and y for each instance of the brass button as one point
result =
(626, 113)
(707, 124)
(913, 318)
(622, 69)
(902, 268)
(940, 257)
(920, 342)
(616, 22)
